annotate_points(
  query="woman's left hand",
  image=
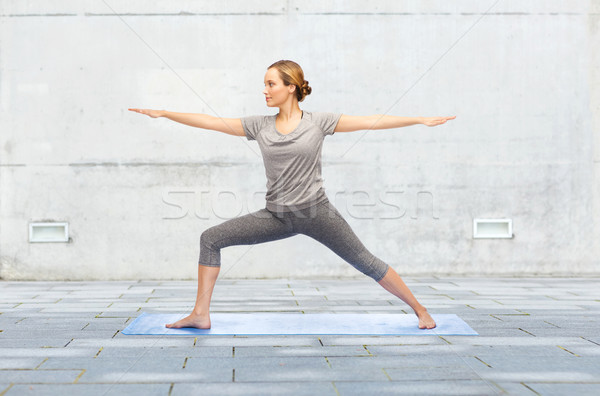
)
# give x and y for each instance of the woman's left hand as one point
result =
(433, 121)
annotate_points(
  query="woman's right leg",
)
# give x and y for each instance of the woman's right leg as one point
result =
(257, 227)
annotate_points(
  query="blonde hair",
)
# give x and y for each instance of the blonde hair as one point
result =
(291, 73)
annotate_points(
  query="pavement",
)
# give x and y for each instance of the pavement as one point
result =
(537, 336)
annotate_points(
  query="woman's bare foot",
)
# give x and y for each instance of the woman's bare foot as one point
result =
(193, 320)
(425, 320)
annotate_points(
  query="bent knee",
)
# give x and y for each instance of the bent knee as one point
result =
(208, 237)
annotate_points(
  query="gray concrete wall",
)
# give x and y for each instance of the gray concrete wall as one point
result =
(522, 77)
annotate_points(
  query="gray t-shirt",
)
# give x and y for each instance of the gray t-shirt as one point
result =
(292, 161)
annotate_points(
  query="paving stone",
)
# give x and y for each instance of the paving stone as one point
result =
(46, 352)
(541, 363)
(90, 390)
(101, 324)
(258, 363)
(432, 373)
(38, 336)
(562, 332)
(90, 310)
(158, 353)
(38, 376)
(96, 366)
(521, 340)
(410, 350)
(34, 342)
(45, 315)
(552, 376)
(130, 342)
(299, 388)
(555, 389)
(65, 305)
(19, 363)
(592, 350)
(450, 387)
(54, 322)
(513, 388)
(501, 331)
(306, 373)
(394, 361)
(264, 351)
(158, 376)
(88, 363)
(467, 350)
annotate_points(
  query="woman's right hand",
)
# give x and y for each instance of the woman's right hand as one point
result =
(149, 112)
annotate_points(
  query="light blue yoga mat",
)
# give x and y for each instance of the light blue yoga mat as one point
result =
(261, 323)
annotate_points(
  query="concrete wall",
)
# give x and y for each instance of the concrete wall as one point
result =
(522, 77)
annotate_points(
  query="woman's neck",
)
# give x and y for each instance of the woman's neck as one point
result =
(288, 112)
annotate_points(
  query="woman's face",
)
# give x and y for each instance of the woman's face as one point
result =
(276, 92)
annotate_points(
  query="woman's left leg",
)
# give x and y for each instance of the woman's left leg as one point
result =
(325, 224)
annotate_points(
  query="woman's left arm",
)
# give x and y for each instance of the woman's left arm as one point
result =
(380, 121)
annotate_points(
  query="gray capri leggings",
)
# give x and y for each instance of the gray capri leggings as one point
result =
(321, 222)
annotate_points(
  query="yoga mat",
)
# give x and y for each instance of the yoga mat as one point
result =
(261, 323)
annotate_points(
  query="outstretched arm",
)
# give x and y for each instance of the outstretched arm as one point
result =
(379, 121)
(230, 126)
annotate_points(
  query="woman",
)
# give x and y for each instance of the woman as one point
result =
(291, 143)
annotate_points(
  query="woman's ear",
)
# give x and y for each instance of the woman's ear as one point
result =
(291, 88)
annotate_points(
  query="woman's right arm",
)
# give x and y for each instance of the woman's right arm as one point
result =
(230, 126)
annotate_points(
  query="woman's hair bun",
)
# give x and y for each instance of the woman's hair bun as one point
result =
(306, 90)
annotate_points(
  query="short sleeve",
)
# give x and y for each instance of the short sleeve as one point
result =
(327, 121)
(252, 125)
